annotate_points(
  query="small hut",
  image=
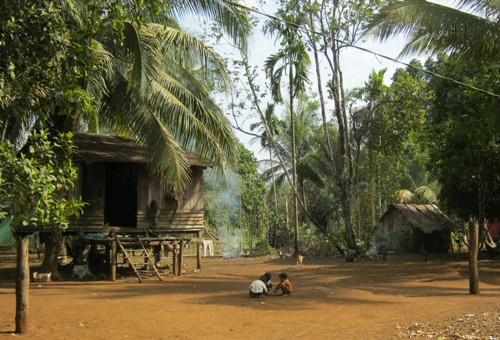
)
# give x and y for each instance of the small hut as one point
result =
(411, 227)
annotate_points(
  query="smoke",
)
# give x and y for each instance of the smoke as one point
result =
(231, 242)
(222, 196)
(382, 242)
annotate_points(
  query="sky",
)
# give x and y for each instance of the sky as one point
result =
(356, 65)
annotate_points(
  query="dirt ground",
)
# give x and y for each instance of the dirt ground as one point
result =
(374, 299)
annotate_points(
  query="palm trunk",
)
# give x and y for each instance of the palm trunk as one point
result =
(326, 133)
(287, 215)
(275, 198)
(294, 170)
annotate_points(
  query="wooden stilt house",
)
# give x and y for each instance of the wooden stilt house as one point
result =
(124, 197)
(128, 202)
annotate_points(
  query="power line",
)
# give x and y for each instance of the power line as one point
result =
(307, 30)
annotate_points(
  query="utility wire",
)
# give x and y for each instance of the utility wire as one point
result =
(307, 30)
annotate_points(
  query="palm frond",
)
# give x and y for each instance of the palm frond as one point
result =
(479, 6)
(275, 70)
(19, 127)
(426, 195)
(306, 172)
(233, 20)
(131, 117)
(431, 27)
(97, 85)
(195, 124)
(187, 47)
(142, 49)
(404, 196)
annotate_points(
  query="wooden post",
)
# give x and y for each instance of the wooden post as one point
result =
(22, 284)
(473, 250)
(198, 252)
(174, 259)
(112, 260)
(181, 246)
(81, 249)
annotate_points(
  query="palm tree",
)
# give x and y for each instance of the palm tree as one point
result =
(290, 63)
(305, 132)
(269, 127)
(158, 91)
(431, 28)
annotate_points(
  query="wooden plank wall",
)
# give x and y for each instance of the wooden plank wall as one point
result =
(90, 186)
(177, 220)
(189, 215)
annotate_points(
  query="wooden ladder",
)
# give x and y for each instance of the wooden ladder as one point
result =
(147, 255)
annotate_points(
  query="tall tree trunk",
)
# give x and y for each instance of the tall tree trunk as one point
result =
(345, 174)
(275, 197)
(250, 236)
(287, 216)
(294, 170)
(326, 133)
(52, 247)
(22, 284)
(373, 203)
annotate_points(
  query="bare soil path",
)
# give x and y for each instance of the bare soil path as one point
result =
(332, 299)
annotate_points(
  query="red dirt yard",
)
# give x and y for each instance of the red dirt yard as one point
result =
(332, 299)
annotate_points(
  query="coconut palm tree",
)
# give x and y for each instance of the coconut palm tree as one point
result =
(305, 132)
(290, 64)
(269, 128)
(471, 29)
(158, 87)
(405, 196)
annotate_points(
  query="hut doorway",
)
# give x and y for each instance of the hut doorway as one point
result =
(121, 195)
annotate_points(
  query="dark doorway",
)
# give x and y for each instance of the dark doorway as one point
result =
(121, 195)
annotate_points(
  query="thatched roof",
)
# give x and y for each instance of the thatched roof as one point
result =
(92, 148)
(426, 217)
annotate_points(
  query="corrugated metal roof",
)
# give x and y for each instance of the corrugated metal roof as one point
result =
(92, 148)
(426, 217)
